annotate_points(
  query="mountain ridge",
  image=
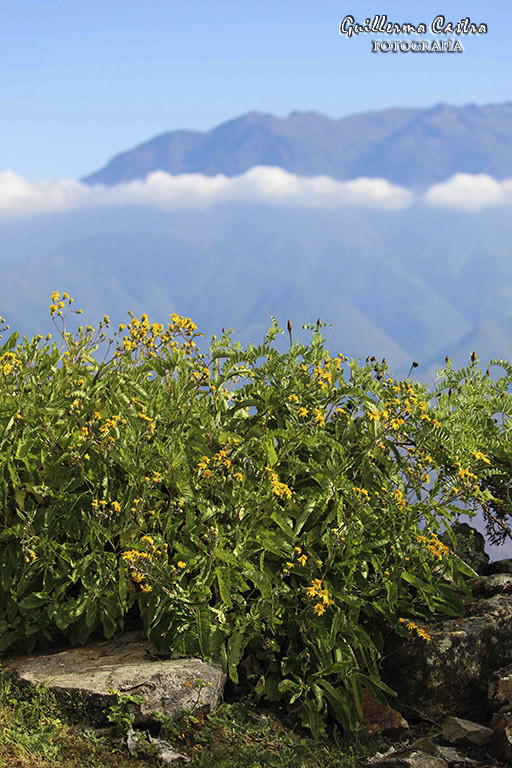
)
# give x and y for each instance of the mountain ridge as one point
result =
(413, 147)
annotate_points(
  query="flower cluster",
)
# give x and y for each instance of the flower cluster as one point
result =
(434, 546)
(150, 422)
(278, 489)
(7, 362)
(141, 334)
(411, 626)
(219, 461)
(115, 506)
(59, 303)
(111, 423)
(479, 456)
(323, 376)
(139, 561)
(320, 594)
(319, 417)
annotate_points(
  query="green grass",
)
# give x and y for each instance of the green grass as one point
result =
(40, 730)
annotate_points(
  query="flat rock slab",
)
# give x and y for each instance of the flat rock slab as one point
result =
(127, 664)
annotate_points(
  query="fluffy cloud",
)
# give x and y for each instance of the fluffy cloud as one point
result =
(470, 193)
(18, 196)
(261, 184)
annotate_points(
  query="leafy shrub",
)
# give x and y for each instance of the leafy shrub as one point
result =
(278, 511)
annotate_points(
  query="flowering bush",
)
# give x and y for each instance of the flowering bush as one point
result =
(277, 511)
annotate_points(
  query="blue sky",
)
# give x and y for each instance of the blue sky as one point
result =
(80, 81)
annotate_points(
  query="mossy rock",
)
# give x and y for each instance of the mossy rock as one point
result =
(470, 546)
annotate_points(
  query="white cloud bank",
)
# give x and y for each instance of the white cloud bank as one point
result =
(261, 184)
(470, 192)
(18, 196)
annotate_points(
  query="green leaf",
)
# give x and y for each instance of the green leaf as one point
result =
(91, 612)
(35, 600)
(10, 343)
(203, 628)
(235, 648)
(224, 584)
(268, 445)
(418, 583)
(260, 580)
(340, 704)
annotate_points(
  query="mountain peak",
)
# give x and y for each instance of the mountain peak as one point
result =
(412, 147)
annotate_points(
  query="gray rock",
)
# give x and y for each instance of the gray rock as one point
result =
(137, 742)
(456, 730)
(127, 664)
(501, 724)
(414, 759)
(453, 756)
(498, 583)
(450, 674)
(500, 566)
(499, 691)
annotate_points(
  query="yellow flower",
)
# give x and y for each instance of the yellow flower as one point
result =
(319, 609)
(238, 476)
(302, 412)
(480, 456)
(302, 559)
(146, 588)
(319, 417)
(298, 550)
(181, 564)
(204, 462)
(55, 296)
(374, 415)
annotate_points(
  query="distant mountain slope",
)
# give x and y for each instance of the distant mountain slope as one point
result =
(411, 147)
(408, 285)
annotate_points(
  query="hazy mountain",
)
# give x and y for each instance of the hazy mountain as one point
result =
(411, 147)
(409, 285)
